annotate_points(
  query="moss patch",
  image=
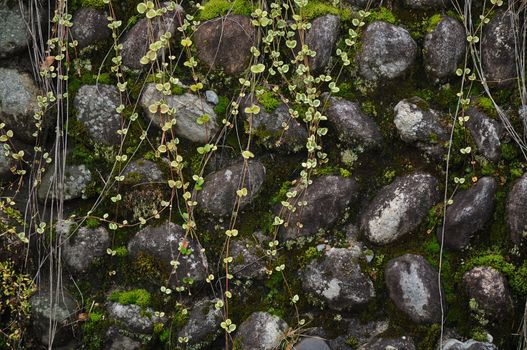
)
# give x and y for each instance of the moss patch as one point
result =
(139, 297)
(216, 8)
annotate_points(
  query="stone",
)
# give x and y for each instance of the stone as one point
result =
(420, 125)
(163, 243)
(120, 342)
(95, 105)
(249, 259)
(489, 288)
(444, 48)
(498, 58)
(327, 198)
(363, 3)
(84, 246)
(225, 43)
(76, 180)
(412, 285)
(471, 344)
(321, 38)
(143, 170)
(212, 97)
(18, 103)
(6, 162)
(203, 325)
(366, 332)
(312, 343)
(516, 204)
(338, 280)
(387, 51)
(471, 211)
(399, 208)
(426, 4)
(133, 317)
(137, 40)
(486, 134)
(13, 36)
(90, 26)
(401, 343)
(352, 126)
(189, 108)
(218, 195)
(261, 331)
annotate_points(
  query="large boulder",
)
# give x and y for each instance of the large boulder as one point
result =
(225, 43)
(516, 204)
(321, 38)
(261, 331)
(133, 317)
(380, 343)
(387, 51)
(14, 35)
(326, 199)
(144, 171)
(412, 284)
(338, 280)
(399, 208)
(486, 134)
(312, 343)
(248, 258)
(76, 180)
(90, 26)
(471, 344)
(203, 325)
(471, 211)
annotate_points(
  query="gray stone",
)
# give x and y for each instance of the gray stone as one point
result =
(76, 179)
(6, 162)
(338, 280)
(351, 125)
(387, 51)
(471, 344)
(412, 284)
(203, 325)
(426, 4)
(143, 170)
(516, 204)
(133, 317)
(488, 287)
(362, 333)
(261, 331)
(189, 108)
(90, 26)
(444, 48)
(312, 344)
(327, 198)
(363, 3)
(218, 195)
(417, 123)
(13, 36)
(321, 38)
(120, 342)
(399, 208)
(95, 105)
(163, 242)
(498, 58)
(402, 343)
(249, 259)
(212, 97)
(471, 211)
(486, 134)
(18, 103)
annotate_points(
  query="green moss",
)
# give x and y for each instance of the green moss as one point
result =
(509, 151)
(97, 4)
(139, 297)
(92, 223)
(485, 105)
(316, 8)
(121, 251)
(382, 14)
(94, 331)
(177, 90)
(221, 107)
(433, 22)
(280, 195)
(216, 8)
(268, 101)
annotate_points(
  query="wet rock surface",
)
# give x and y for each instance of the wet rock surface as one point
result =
(516, 204)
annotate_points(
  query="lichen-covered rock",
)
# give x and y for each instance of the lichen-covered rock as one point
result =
(203, 325)
(498, 58)
(516, 204)
(248, 258)
(163, 243)
(426, 4)
(261, 331)
(189, 108)
(399, 208)
(312, 343)
(321, 38)
(120, 342)
(82, 247)
(402, 343)
(338, 280)
(95, 105)
(351, 125)
(225, 43)
(90, 26)
(417, 123)
(387, 51)
(218, 195)
(76, 179)
(143, 170)
(471, 344)
(326, 198)
(444, 48)
(366, 332)
(133, 317)
(412, 284)
(13, 36)
(486, 134)
(471, 211)
(488, 287)
(18, 103)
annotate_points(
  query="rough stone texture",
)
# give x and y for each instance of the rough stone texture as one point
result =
(321, 38)
(162, 243)
(471, 211)
(363, 3)
(426, 4)
(412, 284)
(189, 108)
(312, 344)
(133, 317)
(471, 344)
(6, 162)
(120, 342)
(417, 123)
(13, 36)
(387, 51)
(497, 50)
(218, 195)
(516, 204)
(137, 40)
(90, 26)
(365, 332)
(143, 170)
(76, 178)
(225, 43)
(84, 246)
(399, 208)
(249, 259)
(444, 48)
(261, 331)
(18, 103)
(326, 198)
(95, 105)
(486, 133)
(203, 325)
(352, 126)
(338, 280)
(490, 290)
(402, 343)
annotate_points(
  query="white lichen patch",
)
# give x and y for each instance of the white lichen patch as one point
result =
(408, 120)
(384, 226)
(414, 291)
